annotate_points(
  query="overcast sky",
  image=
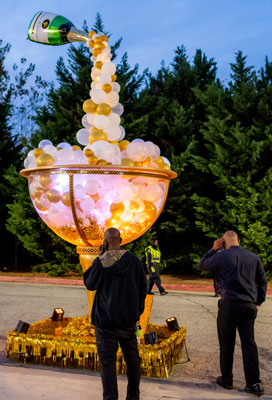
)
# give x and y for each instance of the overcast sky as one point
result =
(151, 29)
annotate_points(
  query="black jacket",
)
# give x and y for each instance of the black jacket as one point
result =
(239, 272)
(120, 292)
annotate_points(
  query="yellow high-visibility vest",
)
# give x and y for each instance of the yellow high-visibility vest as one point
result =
(155, 255)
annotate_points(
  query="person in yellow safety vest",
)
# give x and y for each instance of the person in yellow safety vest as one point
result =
(153, 259)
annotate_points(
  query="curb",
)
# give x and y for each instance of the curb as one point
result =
(79, 282)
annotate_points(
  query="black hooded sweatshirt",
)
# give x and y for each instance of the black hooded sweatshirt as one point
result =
(120, 292)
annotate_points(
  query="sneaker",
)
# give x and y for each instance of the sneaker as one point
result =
(163, 293)
(256, 389)
(223, 384)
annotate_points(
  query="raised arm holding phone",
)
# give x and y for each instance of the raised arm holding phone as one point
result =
(242, 281)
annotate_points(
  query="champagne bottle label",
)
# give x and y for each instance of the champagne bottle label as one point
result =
(53, 29)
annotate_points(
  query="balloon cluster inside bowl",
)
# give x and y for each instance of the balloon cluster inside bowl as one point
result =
(128, 202)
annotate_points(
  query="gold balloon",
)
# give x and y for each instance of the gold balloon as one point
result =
(138, 164)
(45, 181)
(134, 205)
(107, 87)
(75, 148)
(160, 162)
(96, 52)
(127, 162)
(103, 109)
(45, 160)
(88, 153)
(123, 144)
(91, 33)
(38, 192)
(98, 40)
(150, 209)
(37, 152)
(65, 198)
(104, 38)
(114, 142)
(98, 64)
(117, 209)
(92, 160)
(113, 222)
(113, 78)
(53, 196)
(147, 161)
(91, 43)
(39, 206)
(89, 106)
(102, 162)
(97, 135)
(166, 166)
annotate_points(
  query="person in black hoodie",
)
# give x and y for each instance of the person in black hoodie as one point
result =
(120, 283)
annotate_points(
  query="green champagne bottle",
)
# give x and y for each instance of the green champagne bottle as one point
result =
(53, 29)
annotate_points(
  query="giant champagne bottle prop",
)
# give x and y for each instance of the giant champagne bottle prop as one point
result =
(53, 29)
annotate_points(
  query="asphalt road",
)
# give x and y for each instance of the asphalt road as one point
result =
(197, 311)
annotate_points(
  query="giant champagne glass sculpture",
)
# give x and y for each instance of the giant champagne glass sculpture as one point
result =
(110, 182)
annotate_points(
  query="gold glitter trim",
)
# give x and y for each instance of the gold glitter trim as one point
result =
(87, 250)
(103, 170)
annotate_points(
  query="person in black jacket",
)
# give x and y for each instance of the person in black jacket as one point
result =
(120, 283)
(242, 285)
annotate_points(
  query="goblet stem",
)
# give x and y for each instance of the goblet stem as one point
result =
(86, 261)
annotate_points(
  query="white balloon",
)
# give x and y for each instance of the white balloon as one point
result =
(64, 145)
(92, 187)
(118, 109)
(116, 87)
(114, 119)
(87, 205)
(82, 136)
(26, 162)
(112, 98)
(65, 156)
(153, 193)
(166, 161)
(85, 121)
(137, 141)
(90, 118)
(44, 142)
(79, 191)
(113, 132)
(98, 96)
(123, 133)
(95, 74)
(49, 149)
(109, 68)
(101, 122)
(102, 150)
(153, 150)
(137, 151)
(105, 78)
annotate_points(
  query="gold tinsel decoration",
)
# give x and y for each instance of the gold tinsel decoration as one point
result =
(71, 343)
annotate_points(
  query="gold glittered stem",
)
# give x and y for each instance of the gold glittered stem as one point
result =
(72, 199)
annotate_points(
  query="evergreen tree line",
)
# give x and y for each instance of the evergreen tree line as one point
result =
(218, 138)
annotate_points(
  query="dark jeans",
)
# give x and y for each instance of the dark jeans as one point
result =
(107, 346)
(241, 315)
(154, 280)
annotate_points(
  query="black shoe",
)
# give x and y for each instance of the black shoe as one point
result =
(163, 293)
(216, 295)
(152, 293)
(223, 384)
(256, 389)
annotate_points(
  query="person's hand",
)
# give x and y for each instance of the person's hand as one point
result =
(257, 308)
(218, 244)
